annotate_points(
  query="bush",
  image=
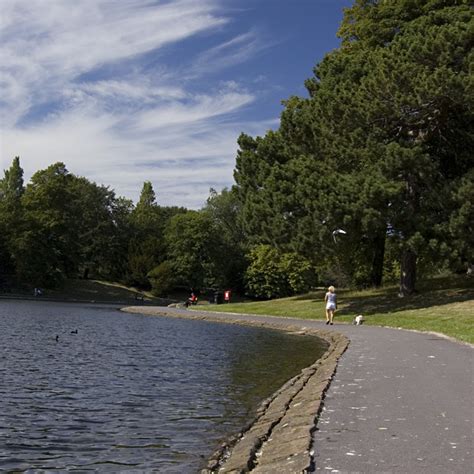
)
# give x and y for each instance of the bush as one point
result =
(271, 274)
(299, 272)
(162, 279)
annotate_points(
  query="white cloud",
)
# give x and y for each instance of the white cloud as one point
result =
(134, 124)
(229, 53)
(182, 164)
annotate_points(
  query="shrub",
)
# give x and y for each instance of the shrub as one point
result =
(271, 274)
(161, 279)
(299, 272)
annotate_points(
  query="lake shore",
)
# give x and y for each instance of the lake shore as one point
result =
(280, 435)
(399, 401)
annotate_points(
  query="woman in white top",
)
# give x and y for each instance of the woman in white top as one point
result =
(331, 304)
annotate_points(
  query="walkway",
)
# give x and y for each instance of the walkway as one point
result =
(399, 402)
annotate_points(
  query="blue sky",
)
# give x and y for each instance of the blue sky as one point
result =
(144, 90)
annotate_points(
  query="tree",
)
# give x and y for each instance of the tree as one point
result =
(196, 250)
(375, 149)
(224, 210)
(272, 274)
(45, 246)
(103, 231)
(11, 215)
(66, 226)
(461, 222)
(415, 95)
(146, 248)
(162, 278)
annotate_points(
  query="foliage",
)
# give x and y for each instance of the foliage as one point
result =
(369, 177)
(224, 210)
(264, 276)
(162, 279)
(146, 245)
(196, 250)
(271, 274)
(298, 271)
(11, 215)
(444, 304)
(377, 150)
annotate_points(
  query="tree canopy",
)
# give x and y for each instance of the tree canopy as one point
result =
(379, 149)
(369, 177)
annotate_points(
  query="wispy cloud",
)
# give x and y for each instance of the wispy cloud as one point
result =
(230, 53)
(75, 88)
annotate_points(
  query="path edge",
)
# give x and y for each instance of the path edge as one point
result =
(280, 437)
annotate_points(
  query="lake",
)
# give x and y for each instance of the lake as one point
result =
(129, 392)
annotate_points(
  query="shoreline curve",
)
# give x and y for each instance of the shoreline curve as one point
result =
(279, 438)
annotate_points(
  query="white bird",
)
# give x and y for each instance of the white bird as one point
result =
(337, 232)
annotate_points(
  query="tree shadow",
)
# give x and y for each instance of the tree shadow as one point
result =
(392, 303)
(434, 292)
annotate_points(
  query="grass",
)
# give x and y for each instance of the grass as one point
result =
(444, 305)
(94, 291)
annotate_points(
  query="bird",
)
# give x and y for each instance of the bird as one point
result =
(337, 232)
(57, 338)
(74, 331)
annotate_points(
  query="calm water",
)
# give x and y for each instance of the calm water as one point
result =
(130, 392)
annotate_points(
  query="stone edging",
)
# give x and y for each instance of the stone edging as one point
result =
(279, 439)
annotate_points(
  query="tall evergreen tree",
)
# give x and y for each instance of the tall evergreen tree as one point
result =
(376, 148)
(146, 248)
(411, 96)
(11, 216)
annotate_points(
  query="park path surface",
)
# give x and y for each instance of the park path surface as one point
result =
(399, 401)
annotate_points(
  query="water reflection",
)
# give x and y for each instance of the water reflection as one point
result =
(130, 392)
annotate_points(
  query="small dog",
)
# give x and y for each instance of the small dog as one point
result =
(358, 320)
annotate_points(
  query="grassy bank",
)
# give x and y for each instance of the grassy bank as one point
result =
(444, 305)
(93, 291)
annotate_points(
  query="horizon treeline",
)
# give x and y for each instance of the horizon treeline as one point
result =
(367, 180)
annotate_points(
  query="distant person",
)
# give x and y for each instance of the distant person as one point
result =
(193, 299)
(331, 304)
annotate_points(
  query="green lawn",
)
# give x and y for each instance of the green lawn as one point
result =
(91, 291)
(444, 305)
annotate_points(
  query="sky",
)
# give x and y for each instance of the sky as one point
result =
(128, 91)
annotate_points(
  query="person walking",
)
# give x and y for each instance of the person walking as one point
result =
(331, 304)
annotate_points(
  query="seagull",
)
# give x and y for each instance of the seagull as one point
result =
(337, 232)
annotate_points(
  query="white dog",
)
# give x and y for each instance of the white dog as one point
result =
(358, 320)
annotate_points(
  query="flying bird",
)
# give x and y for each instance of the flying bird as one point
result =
(337, 232)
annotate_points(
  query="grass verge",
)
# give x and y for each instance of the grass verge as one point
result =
(94, 291)
(444, 305)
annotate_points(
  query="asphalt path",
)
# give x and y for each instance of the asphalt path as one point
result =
(399, 402)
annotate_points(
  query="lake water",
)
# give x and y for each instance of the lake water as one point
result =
(130, 392)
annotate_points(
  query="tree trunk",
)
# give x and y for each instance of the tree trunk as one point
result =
(376, 273)
(407, 273)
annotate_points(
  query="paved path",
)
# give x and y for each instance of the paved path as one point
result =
(400, 402)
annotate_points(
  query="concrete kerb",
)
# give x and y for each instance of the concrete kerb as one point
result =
(279, 438)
